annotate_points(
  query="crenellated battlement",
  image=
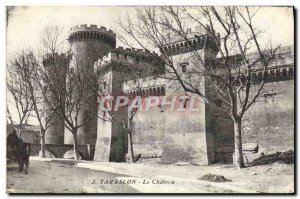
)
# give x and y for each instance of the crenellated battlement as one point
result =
(61, 58)
(51, 55)
(127, 56)
(200, 38)
(136, 52)
(279, 73)
(85, 27)
(145, 86)
(92, 32)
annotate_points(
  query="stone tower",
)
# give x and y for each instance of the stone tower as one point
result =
(192, 136)
(56, 66)
(114, 70)
(88, 44)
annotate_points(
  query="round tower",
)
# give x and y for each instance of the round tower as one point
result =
(53, 63)
(88, 44)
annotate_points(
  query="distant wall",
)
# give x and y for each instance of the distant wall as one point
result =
(270, 121)
(55, 133)
(30, 137)
(59, 150)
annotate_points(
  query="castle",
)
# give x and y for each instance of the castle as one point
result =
(202, 137)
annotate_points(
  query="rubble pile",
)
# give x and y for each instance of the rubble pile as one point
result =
(286, 157)
(214, 178)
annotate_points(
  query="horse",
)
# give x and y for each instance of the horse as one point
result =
(12, 147)
(23, 153)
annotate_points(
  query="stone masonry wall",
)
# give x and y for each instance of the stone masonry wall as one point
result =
(149, 130)
(270, 121)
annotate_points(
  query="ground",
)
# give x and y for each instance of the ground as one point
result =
(148, 176)
(50, 177)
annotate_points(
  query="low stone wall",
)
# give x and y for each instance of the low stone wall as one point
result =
(87, 151)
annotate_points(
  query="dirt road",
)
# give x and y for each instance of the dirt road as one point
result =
(51, 177)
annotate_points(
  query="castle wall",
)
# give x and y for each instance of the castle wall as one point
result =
(270, 120)
(185, 137)
(149, 131)
(112, 141)
(220, 136)
(189, 136)
(104, 135)
(103, 143)
(195, 136)
(115, 69)
(119, 139)
(186, 134)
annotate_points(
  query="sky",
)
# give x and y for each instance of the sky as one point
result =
(25, 24)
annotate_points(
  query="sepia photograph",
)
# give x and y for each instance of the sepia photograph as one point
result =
(150, 100)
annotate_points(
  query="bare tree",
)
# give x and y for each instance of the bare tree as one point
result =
(20, 100)
(63, 91)
(9, 118)
(64, 85)
(61, 88)
(30, 75)
(25, 81)
(27, 67)
(227, 69)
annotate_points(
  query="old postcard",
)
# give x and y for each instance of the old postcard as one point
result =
(156, 99)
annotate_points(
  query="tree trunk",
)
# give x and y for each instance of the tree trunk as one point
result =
(19, 132)
(75, 145)
(43, 147)
(239, 161)
(130, 147)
